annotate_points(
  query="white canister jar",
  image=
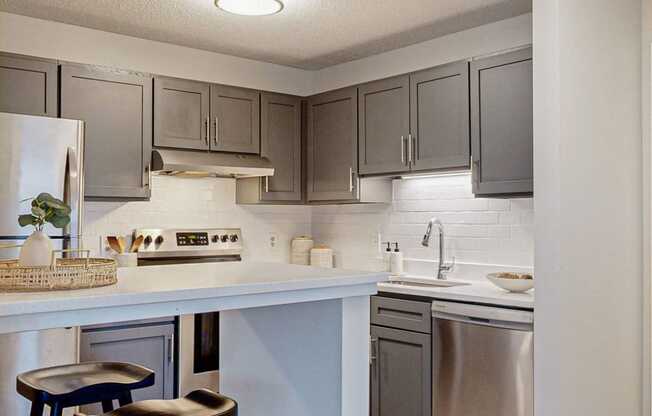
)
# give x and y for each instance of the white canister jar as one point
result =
(321, 256)
(301, 247)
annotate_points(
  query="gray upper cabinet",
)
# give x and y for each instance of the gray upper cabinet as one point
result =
(384, 117)
(235, 114)
(332, 146)
(182, 113)
(439, 118)
(501, 124)
(28, 85)
(280, 141)
(401, 372)
(116, 107)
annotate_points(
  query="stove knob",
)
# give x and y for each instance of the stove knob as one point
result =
(225, 238)
(215, 238)
(233, 238)
(148, 240)
(159, 240)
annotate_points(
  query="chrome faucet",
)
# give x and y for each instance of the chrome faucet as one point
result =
(442, 268)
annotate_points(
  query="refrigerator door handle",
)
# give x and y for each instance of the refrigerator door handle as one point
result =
(75, 198)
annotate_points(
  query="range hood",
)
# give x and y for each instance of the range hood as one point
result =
(201, 164)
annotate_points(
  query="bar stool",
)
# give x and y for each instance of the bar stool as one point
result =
(79, 384)
(198, 403)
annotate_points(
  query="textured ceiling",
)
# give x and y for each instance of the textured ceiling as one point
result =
(308, 34)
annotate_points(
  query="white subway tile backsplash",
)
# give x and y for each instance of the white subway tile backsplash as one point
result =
(478, 230)
(199, 203)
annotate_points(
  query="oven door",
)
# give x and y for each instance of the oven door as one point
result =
(199, 340)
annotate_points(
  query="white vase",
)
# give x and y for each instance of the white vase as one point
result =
(36, 251)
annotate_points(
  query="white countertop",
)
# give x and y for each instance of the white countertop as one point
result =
(475, 291)
(153, 291)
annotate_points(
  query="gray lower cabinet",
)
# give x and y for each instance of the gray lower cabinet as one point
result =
(400, 372)
(501, 124)
(439, 118)
(384, 125)
(182, 113)
(116, 107)
(332, 146)
(28, 85)
(149, 345)
(235, 114)
(281, 144)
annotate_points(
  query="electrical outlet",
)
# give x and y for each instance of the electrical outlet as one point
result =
(376, 240)
(104, 249)
(273, 240)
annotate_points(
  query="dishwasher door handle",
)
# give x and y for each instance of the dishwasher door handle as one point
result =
(519, 326)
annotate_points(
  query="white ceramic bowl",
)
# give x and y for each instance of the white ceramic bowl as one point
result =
(511, 285)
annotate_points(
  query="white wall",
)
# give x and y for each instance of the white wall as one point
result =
(479, 231)
(482, 40)
(29, 36)
(47, 39)
(588, 251)
(200, 203)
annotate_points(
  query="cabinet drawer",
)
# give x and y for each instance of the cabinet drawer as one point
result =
(399, 313)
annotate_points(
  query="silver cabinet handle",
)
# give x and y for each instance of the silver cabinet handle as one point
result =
(410, 148)
(415, 148)
(207, 130)
(266, 183)
(403, 149)
(351, 179)
(373, 345)
(170, 350)
(148, 169)
(217, 130)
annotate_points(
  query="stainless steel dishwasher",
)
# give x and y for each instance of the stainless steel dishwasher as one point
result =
(482, 360)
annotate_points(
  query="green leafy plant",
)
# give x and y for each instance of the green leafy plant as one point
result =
(46, 208)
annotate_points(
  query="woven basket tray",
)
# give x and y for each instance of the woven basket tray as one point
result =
(62, 274)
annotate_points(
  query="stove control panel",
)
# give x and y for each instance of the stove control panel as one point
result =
(189, 241)
(192, 239)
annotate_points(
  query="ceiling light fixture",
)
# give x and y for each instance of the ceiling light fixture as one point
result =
(250, 7)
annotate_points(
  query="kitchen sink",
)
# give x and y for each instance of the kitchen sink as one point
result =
(426, 283)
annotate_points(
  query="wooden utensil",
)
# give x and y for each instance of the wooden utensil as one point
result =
(135, 245)
(114, 243)
(123, 246)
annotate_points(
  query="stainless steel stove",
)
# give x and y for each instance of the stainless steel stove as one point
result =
(198, 335)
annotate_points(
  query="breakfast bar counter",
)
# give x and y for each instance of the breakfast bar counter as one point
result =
(294, 339)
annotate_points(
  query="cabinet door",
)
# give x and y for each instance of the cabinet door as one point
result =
(401, 373)
(149, 346)
(181, 117)
(281, 144)
(501, 123)
(439, 119)
(28, 86)
(332, 146)
(235, 113)
(384, 111)
(116, 107)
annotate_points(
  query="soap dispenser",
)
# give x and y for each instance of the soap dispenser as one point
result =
(387, 255)
(396, 261)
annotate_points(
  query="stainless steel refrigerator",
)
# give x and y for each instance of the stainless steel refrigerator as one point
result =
(37, 154)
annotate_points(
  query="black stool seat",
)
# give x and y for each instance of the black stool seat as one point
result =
(79, 384)
(198, 403)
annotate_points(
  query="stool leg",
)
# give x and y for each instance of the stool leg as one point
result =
(107, 406)
(125, 399)
(37, 409)
(56, 410)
